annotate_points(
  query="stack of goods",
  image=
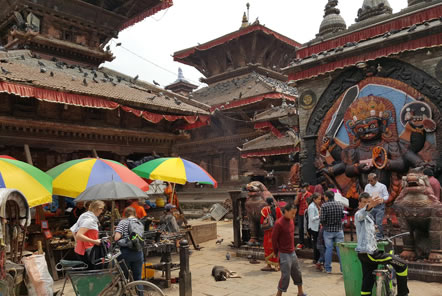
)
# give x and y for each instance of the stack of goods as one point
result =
(62, 240)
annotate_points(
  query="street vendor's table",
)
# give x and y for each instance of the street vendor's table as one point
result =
(164, 244)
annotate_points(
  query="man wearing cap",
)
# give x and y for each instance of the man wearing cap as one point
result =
(168, 219)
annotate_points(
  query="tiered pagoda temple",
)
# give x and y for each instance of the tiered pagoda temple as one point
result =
(54, 98)
(242, 70)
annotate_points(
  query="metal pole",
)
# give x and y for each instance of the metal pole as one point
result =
(185, 275)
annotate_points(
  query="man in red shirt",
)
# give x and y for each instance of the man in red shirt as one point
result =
(284, 247)
(301, 202)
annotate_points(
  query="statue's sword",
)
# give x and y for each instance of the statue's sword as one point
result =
(350, 95)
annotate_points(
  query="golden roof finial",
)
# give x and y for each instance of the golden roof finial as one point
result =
(245, 21)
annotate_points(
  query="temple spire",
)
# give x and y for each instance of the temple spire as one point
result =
(333, 21)
(245, 21)
(372, 8)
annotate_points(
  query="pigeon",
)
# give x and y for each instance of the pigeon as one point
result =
(314, 56)
(386, 35)
(54, 59)
(152, 98)
(95, 80)
(135, 79)
(106, 76)
(22, 57)
(84, 82)
(240, 95)
(156, 83)
(41, 64)
(36, 56)
(52, 74)
(178, 102)
(79, 69)
(60, 65)
(4, 71)
(113, 83)
(118, 44)
(104, 80)
(108, 48)
(85, 74)
(412, 28)
(95, 74)
(218, 242)
(118, 79)
(427, 24)
(43, 70)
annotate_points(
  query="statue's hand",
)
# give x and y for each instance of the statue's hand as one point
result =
(365, 168)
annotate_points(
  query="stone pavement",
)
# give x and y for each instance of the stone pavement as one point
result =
(259, 283)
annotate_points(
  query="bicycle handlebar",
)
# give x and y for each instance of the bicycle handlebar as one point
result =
(389, 239)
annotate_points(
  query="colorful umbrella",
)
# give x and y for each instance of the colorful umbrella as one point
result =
(73, 177)
(7, 156)
(35, 185)
(175, 170)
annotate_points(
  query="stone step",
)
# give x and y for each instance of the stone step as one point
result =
(426, 272)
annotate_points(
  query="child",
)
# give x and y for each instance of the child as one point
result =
(367, 250)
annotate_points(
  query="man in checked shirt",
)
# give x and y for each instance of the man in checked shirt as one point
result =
(331, 215)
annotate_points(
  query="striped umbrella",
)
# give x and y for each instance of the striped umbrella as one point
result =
(175, 170)
(35, 184)
(73, 177)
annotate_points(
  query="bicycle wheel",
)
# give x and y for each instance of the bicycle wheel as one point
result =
(142, 288)
(382, 287)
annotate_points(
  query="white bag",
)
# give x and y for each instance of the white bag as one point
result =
(38, 273)
(343, 200)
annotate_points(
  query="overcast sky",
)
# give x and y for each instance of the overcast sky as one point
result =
(189, 22)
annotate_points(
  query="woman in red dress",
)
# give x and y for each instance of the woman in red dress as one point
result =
(275, 212)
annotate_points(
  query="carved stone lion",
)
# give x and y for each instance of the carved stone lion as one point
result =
(256, 200)
(420, 213)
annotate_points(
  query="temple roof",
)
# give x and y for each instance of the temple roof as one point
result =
(242, 87)
(119, 14)
(276, 113)
(20, 68)
(254, 44)
(181, 81)
(269, 144)
(409, 30)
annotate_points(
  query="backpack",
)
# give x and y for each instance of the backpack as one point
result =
(136, 232)
(135, 240)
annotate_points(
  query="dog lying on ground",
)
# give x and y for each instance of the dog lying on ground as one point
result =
(220, 273)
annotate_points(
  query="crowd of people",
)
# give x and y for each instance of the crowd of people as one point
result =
(128, 234)
(318, 212)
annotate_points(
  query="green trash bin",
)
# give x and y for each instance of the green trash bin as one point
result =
(352, 269)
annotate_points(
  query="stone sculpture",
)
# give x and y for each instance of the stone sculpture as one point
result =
(420, 213)
(256, 200)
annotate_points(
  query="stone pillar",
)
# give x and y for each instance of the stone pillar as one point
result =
(236, 196)
(185, 275)
(308, 168)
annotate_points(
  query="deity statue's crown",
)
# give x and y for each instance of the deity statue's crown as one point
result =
(367, 107)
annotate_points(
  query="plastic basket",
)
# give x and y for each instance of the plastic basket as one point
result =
(218, 212)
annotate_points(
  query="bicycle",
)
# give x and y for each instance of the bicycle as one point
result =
(110, 281)
(386, 281)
